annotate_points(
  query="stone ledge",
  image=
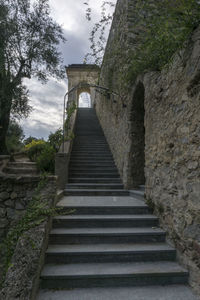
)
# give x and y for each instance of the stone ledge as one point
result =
(24, 178)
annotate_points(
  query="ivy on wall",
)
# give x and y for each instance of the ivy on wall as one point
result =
(165, 26)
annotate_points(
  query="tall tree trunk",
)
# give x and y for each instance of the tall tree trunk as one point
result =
(5, 108)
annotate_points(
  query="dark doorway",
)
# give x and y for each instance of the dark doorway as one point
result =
(137, 154)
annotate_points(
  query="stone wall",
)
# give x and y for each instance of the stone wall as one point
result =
(15, 195)
(116, 113)
(22, 278)
(172, 151)
(154, 127)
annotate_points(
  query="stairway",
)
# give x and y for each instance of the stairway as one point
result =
(110, 246)
(21, 168)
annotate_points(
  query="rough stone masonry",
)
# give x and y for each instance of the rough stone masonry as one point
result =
(154, 134)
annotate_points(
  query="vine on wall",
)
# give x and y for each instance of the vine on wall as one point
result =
(162, 28)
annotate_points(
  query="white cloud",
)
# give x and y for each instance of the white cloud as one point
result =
(47, 100)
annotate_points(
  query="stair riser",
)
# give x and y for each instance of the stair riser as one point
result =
(60, 239)
(100, 186)
(104, 223)
(90, 153)
(95, 193)
(94, 169)
(91, 164)
(63, 258)
(107, 210)
(56, 282)
(22, 165)
(93, 180)
(92, 175)
(20, 171)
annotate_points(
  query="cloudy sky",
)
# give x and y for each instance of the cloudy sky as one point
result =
(47, 100)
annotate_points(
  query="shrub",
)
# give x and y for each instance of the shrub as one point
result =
(46, 160)
(55, 139)
(34, 149)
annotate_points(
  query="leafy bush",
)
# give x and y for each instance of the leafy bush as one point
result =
(46, 160)
(34, 149)
(55, 139)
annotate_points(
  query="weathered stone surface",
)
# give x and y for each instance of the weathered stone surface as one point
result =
(4, 196)
(171, 117)
(22, 278)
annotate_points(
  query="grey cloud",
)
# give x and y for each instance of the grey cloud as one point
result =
(47, 100)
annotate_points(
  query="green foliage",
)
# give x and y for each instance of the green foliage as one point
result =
(14, 137)
(165, 27)
(28, 47)
(69, 111)
(46, 160)
(99, 32)
(34, 149)
(43, 153)
(29, 140)
(37, 212)
(55, 139)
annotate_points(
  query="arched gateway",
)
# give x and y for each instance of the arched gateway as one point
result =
(82, 76)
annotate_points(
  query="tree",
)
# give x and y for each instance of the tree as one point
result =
(99, 31)
(14, 137)
(29, 139)
(28, 47)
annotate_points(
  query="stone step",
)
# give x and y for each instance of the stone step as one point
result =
(22, 165)
(95, 192)
(109, 253)
(93, 163)
(93, 159)
(94, 180)
(99, 205)
(55, 276)
(105, 186)
(93, 168)
(161, 292)
(90, 153)
(106, 235)
(92, 174)
(26, 171)
(105, 221)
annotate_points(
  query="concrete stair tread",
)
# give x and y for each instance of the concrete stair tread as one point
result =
(112, 269)
(94, 186)
(108, 231)
(167, 292)
(101, 201)
(99, 190)
(95, 180)
(109, 248)
(137, 192)
(106, 217)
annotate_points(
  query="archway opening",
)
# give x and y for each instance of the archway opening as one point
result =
(84, 100)
(137, 159)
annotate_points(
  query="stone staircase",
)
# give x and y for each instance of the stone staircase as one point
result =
(21, 168)
(110, 246)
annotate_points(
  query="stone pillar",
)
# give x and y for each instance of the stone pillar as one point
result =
(61, 169)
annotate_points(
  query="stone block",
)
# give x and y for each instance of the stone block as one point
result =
(13, 195)
(4, 196)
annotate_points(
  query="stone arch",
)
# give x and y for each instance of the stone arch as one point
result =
(137, 136)
(82, 76)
